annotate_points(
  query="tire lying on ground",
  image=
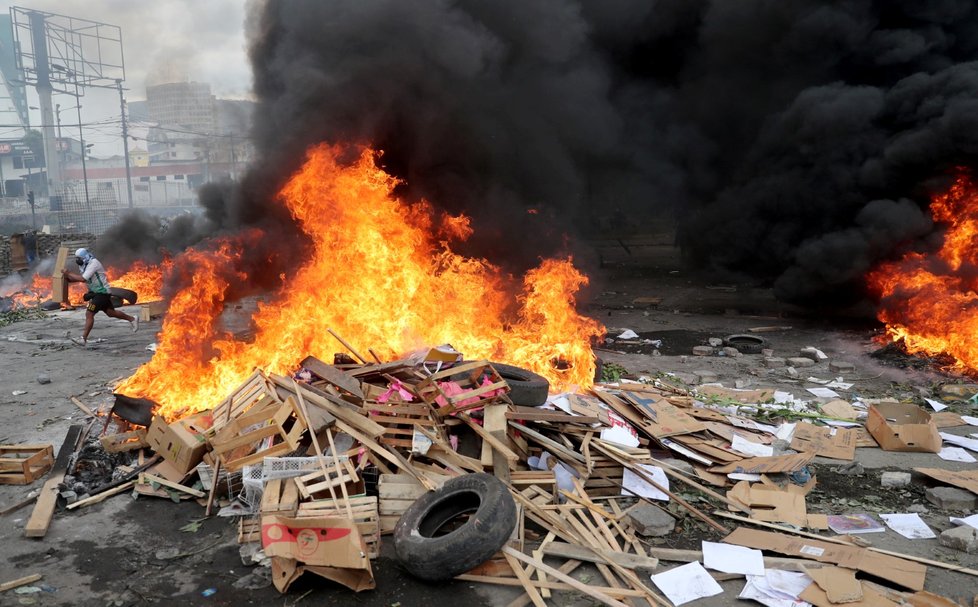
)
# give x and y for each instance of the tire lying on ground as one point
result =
(526, 388)
(431, 544)
(745, 344)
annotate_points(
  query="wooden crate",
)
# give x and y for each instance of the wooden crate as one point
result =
(364, 515)
(152, 309)
(474, 393)
(256, 393)
(280, 496)
(316, 486)
(396, 494)
(125, 441)
(238, 443)
(23, 464)
(399, 420)
(249, 530)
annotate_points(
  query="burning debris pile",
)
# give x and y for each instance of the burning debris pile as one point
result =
(466, 463)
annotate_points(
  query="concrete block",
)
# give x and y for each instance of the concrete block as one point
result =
(800, 362)
(951, 498)
(731, 352)
(702, 351)
(715, 342)
(767, 352)
(895, 479)
(841, 366)
(772, 362)
(963, 538)
(651, 521)
(814, 354)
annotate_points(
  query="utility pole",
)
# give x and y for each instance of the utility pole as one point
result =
(81, 140)
(125, 140)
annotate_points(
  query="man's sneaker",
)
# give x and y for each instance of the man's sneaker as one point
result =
(135, 323)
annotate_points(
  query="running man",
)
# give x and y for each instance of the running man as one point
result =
(98, 297)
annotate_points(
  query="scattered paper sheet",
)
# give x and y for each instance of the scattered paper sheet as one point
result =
(971, 521)
(732, 559)
(838, 383)
(908, 525)
(632, 484)
(744, 476)
(686, 583)
(854, 523)
(783, 397)
(971, 421)
(955, 454)
(816, 380)
(750, 448)
(771, 591)
(628, 334)
(936, 404)
(620, 432)
(961, 441)
(824, 392)
(785, 432)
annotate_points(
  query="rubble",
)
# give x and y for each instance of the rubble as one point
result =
(951, 498)
(895, 479)
(651, 521)
(963, 538)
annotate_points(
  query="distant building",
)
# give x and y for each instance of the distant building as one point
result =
(182, 104)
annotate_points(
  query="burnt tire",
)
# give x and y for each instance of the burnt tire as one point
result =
(120, 294)
(428, 555)
(745, 344)
(526, 388)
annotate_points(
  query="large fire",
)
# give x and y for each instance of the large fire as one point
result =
(929, 300)
(146, 280)
(381, 273)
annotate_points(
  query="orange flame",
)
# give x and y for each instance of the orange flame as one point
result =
(144, 279)
(930, 301)
(381, 273)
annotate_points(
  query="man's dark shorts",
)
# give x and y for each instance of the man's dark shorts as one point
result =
(100, 302)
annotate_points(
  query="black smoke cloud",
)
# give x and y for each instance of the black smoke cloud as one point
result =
(795, 142)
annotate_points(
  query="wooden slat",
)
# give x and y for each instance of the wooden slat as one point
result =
(40, 520)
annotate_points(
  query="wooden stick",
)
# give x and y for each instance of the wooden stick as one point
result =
(525, 580)
(568, 567)
(98, 497)
(524, 599)
(27, 579)
(85, 409)
(348, 346)
(159, 480)
(15, 507)
(581, 587)
(336, 463)
(213, 491)
(835, 540)
(374, 354)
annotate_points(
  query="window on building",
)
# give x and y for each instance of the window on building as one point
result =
(161, 178)
(178, 176)
(144, 178)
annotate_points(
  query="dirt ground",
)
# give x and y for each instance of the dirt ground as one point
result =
(127, 551)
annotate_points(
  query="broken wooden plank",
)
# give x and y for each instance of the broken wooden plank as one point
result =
(21, 581)
(583, 553)
(159, 480)
(47, 499)
(579, 586)
(85, 409)
(333, 375)
(98, 497)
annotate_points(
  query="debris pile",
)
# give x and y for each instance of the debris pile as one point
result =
(479, 474)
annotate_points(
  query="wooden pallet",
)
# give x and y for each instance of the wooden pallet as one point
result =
(24, 464)
(399, 420)
(397, 493)
(364, 515)
(280, 496)
(255, 393)
(125, 441)
(475, 393)
(238, 443)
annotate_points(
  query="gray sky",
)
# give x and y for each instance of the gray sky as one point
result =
(163, 41)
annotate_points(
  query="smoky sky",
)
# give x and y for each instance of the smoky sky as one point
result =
(795, 142)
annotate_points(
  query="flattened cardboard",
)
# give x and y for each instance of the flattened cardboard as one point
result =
(285, 571)
(871, 598)
(177, 443)
(928, 599)
(839, 409)
(761, 465)
(665, 419)
(902, 572)
(903, 427)
(831, 442)
(771, 504)
(744, 396)
(864, 438)
(323, 541)
(947, 419)
(839, 584)
(964, 479)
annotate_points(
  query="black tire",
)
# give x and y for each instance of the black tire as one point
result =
(120, 294)
(432, 557)
(526, 388)
(745, 344)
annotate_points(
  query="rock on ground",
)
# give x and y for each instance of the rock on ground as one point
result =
(951, 498)
(963, 538)
(651, 521)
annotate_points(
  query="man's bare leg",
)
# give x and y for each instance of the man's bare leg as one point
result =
(123, 316)
(89, 323)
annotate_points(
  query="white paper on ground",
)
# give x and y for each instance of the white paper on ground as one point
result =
(908, 525)
(971, 521)
(961, 441)
(838, 383)
(632, 484)
(955, 454)
(696, 457)
(816, 380)
(732, 559)
(823, 392)
(783, 397)
(832, 422)
(686, 583)
(785, 432)
(777, 588)
(746, 447)
(936, 404)
(620, 432)
(561, 402)
(971, 421)
(628, 334)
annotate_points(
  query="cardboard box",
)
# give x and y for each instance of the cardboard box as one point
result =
(331, 547)
(179, 443)
(827, 441)
(902, 427)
